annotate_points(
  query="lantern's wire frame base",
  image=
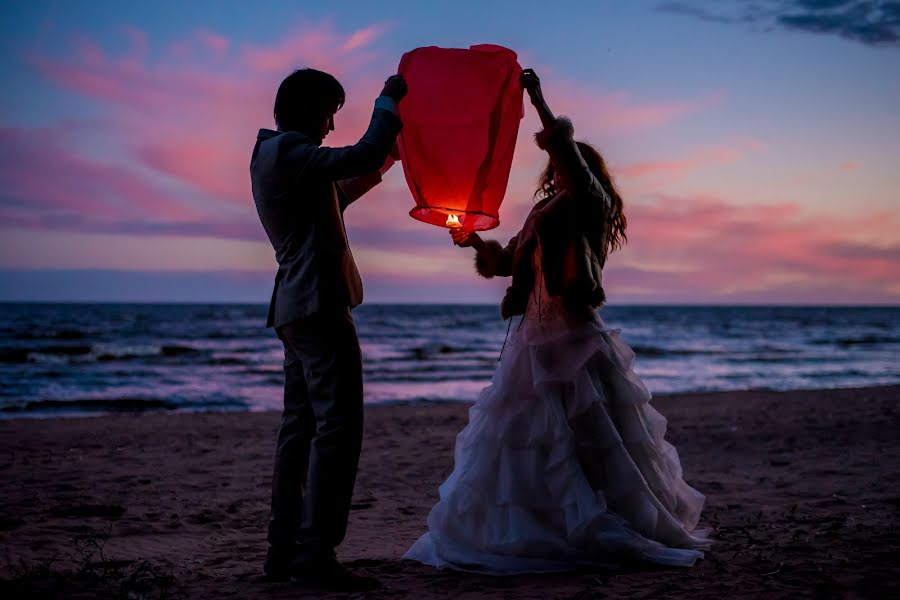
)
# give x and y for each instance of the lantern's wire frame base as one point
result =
(495, 221)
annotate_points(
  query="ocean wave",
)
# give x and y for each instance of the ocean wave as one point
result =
(94, 404)
(641, 350)
(123, 356)
(13, 355)
(412, 377)
(121, 405)
(771, 357)
(25, 354)
(412, 366)
(60, 334)
(866, 339)
(229, 361)
(859, 340)
(424, 352)
(429, 351)
(243, 334)
(88, 353)
(162, 354)
(177, 350)
(418, 359)
(79, 350)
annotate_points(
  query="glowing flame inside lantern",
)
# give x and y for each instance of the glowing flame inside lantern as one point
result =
(453, 221)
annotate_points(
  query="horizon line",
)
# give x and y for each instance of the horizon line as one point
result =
(430, 303)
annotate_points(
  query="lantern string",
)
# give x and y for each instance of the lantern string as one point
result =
(502, 348)
(522, 320)
(539, 278)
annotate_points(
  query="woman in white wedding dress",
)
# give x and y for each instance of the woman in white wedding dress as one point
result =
(563, 463)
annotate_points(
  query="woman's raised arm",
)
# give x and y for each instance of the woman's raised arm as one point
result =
(557, 138)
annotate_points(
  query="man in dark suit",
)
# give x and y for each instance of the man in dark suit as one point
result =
(301, 190)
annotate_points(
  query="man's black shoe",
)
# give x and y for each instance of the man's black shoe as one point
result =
(279, 564)
(326, 573)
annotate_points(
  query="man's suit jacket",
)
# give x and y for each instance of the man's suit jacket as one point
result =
(301, 204)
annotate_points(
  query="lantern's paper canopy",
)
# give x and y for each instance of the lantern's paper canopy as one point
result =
(460, 122)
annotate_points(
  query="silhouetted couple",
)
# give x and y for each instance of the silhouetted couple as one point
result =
(563, 463)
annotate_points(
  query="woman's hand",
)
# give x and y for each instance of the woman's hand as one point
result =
(465, 239)
(531, 83)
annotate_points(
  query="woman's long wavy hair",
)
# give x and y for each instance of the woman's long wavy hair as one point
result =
(616, 223)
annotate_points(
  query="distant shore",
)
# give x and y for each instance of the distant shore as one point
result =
(803, 490)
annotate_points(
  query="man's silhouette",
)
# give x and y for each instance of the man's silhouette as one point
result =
(301, 190)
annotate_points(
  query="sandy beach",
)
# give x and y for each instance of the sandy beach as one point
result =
(803, 491)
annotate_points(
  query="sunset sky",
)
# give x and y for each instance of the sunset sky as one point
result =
(756, 145)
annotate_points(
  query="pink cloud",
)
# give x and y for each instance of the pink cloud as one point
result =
(215, 170)
(604, 112)
(621, 113)
(90, 54)
(140, 44)
(39, 174)
(180, 49)
(197, 124)
(676, 168)
(849, 166)
(363, 37)
(319, 46)
(218, 44)
(596, 110)
(889, 253)
(680, 244)
(48, 186)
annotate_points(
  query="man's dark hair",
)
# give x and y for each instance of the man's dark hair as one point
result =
(306, 94)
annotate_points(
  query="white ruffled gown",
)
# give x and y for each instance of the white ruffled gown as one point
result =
(563, 463)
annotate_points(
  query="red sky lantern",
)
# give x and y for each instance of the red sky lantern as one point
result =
(460, 122)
